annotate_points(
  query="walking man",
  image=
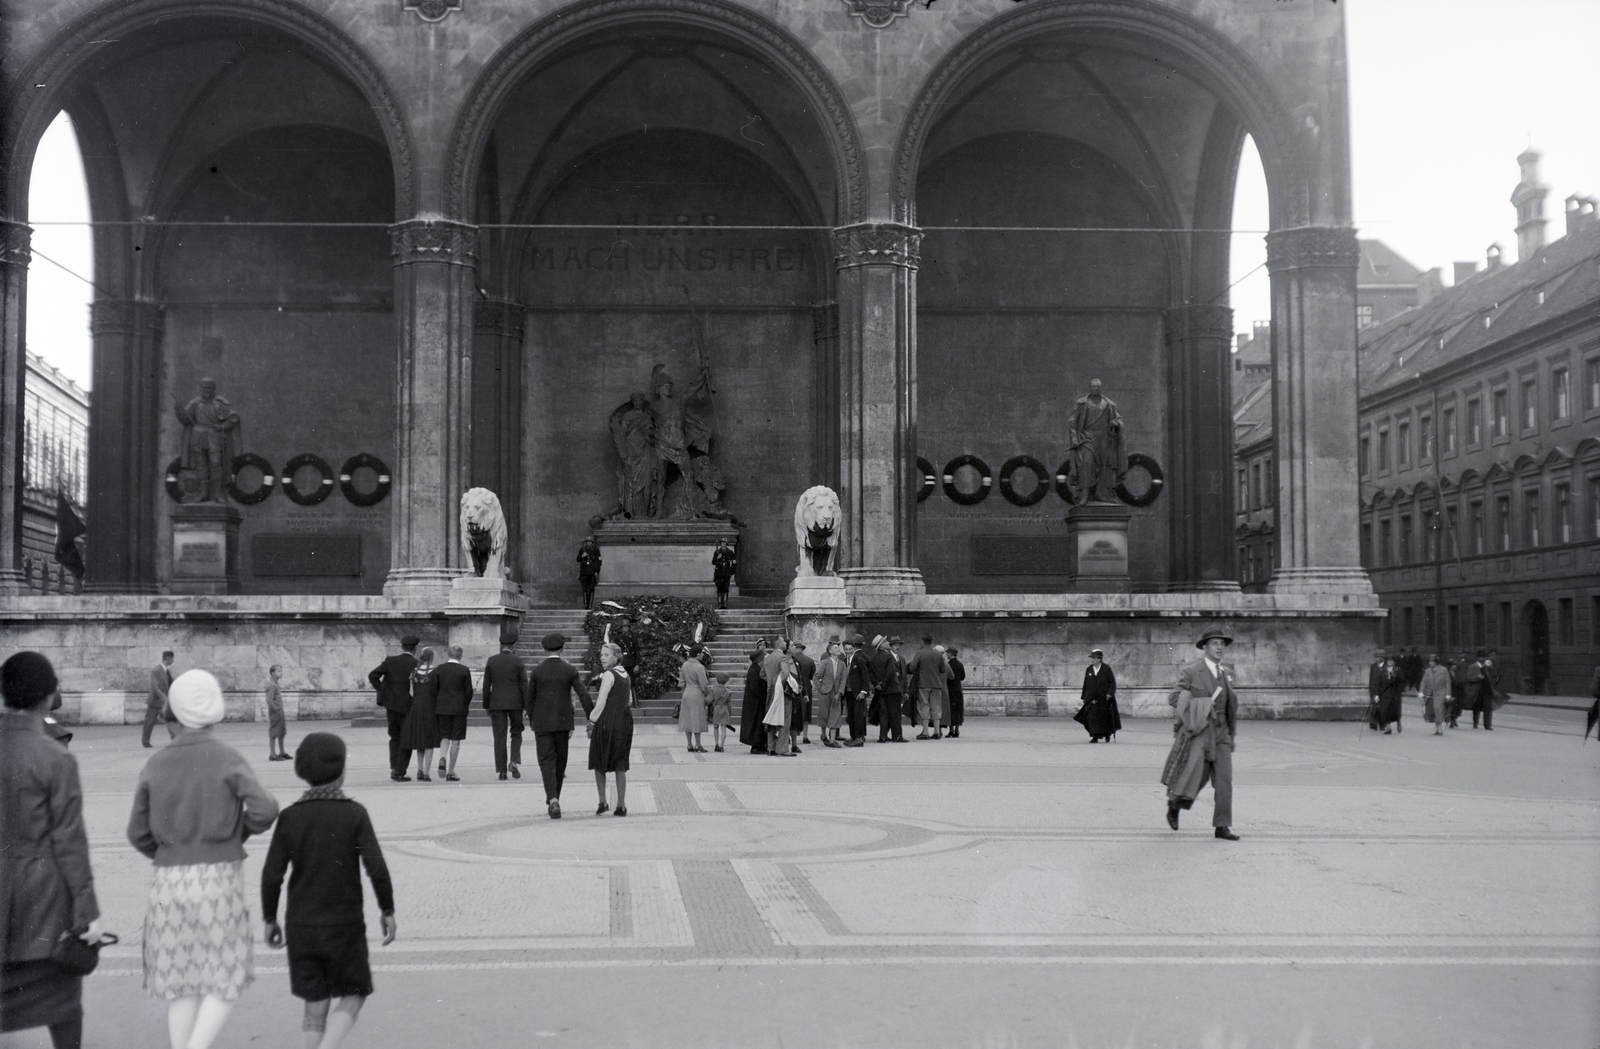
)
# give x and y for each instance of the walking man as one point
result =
(1482, 676)
(1202, 751)
(392, 679)
(551, 686)
(505, 690)
(155, 704)
(1436, 691)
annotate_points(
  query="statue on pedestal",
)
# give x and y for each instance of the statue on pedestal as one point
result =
(1095, 439)
(483, 533)
(211, 439)
(817, 517)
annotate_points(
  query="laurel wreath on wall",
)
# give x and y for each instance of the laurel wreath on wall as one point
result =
(652, 631)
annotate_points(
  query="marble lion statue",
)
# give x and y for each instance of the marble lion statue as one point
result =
(483, 533)
(817, 517)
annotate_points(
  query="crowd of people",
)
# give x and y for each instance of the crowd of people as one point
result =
(1466, 684)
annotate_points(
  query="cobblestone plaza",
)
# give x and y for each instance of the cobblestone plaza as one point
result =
(1015, 887)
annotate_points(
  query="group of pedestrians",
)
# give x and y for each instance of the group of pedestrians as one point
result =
(195, 805)
(1470, 683)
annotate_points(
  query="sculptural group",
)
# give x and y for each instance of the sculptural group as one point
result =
(664, 451)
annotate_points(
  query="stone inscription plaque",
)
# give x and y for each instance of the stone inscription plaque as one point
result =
(197, 555)
(306, 555)
(1021, 555)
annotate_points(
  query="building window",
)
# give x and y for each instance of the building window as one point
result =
(1244, 491)
(1474, 422)
(1594, 620)
(1594, 507)
(1406, 625)
(1502, 519)
(1505, 623)
(1480, 543)
(1560, 395)
(1447, 426)
(1561, 527)
(1501, 421)
(1255, 486)
(1566, 630)
(1383, 450)
(1429, 627)
(1452, 531)
(1366, 545)
(1425, 438)
(1530, 404)
(1453, 624)
(1591, 378)
(1402, 444)
(1385, 542)
(1480, 621)
(1366, 455)
(1405, 547)
(1530, 518)
(1363, 317)
(1270, 484)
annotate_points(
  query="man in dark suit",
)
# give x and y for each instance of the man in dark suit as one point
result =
(155, 704)
(450, 685)
(1207, 717)
(888, 683)
(1482, 677)
(807, 668)
(505, 691)
(857, 688)
(392, 679)
(1377, 676)
(551, 685)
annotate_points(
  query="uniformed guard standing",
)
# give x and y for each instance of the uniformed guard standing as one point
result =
(588, 568)
(724, 565)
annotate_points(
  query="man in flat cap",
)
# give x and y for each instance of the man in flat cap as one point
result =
(1207, 712)
(505, 693)
(551, 686)
(392, 679)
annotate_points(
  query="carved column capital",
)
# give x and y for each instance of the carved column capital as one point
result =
(434, 240)
(124, 317)
(877, 244)
(14, 243)
(1199, 322)
(1312, 247)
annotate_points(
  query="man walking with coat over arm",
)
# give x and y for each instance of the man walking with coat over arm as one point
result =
(1207, 713)
(392, 679)
(551, 685)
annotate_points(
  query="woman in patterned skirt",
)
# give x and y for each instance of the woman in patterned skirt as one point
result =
(611, 728)
(196, 803)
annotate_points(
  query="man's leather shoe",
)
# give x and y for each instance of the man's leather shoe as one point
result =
(515, 774)
(400, 777)
(1226, 835)
(502, 775)
(554, 808)
(855, 743)
(1172, 815)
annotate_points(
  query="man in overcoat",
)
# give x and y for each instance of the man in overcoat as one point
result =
(451, 684)
(888, 677)
(155, 704)
(505, 692)
(551, 686)
(392, 679)
(1207, 714)
(1482, 676)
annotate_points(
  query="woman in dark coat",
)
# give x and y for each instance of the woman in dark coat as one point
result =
(958, 702)
(752, 733)
(420, 730)
(1391, 686)
(611, 731)
(1098, 714)
(46, 886)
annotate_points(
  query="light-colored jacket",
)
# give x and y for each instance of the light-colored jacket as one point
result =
(1436, 681)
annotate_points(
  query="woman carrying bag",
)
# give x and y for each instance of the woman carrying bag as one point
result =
(52, 929)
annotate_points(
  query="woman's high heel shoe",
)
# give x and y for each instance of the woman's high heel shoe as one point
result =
(604, 808)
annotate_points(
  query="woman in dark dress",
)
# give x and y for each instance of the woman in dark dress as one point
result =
(1098, 714)
(958, 702)
(44, 860)
(1390, 688)
(752, 733)
(420, 730)
(611, 728)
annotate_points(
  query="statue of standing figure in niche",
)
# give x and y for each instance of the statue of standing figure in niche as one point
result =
(211, 439)
(633, 431)
(664, 443)
(1095, 439)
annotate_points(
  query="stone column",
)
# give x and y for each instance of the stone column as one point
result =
(1314, 410)
(14, 259)
(435, 265)
(877, 264)
(497, 411)
(125, 457)
(1200, 448)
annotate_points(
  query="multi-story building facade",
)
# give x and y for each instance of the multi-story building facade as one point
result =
(55, 460)
(1479, 456)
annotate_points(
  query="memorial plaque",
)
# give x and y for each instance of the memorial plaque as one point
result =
(306, 555)
(1021, 555)
(199, 555)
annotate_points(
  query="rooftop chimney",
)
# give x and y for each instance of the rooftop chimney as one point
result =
(1528, 199)
(1429, 284)
(1580, 213)
(1492, 256)
(1465, 270)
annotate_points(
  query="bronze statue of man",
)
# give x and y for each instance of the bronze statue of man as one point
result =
(1095, 438)
(210, 439)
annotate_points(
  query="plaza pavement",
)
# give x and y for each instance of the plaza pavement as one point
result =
(1014, 887)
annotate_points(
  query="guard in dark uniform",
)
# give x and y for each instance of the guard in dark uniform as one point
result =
(588, 569)
(724, 565)
(505, 691)
(392, 679)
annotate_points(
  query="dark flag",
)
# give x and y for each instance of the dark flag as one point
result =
(68, 528)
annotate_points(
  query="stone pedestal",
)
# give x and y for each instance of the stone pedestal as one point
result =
(817, 609)
(478, 610)
(672, 558)
(205, 549)
(1097, 537)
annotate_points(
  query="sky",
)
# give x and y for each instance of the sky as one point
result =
(1443, 94)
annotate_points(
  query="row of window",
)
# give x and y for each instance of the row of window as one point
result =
(1256, 485)
(1422, 534)
(55, 450)
(1391, 444)
(1256, 561)
(1480, 624)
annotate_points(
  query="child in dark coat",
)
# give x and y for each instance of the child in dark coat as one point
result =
(322, 836)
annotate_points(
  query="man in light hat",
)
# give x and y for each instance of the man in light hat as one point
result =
(1202, 751)
(551, 686)
(505, 694)
(392, 679)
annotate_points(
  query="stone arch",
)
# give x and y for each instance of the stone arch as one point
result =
(28, 111)
(565, 29)
(1199, 50)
